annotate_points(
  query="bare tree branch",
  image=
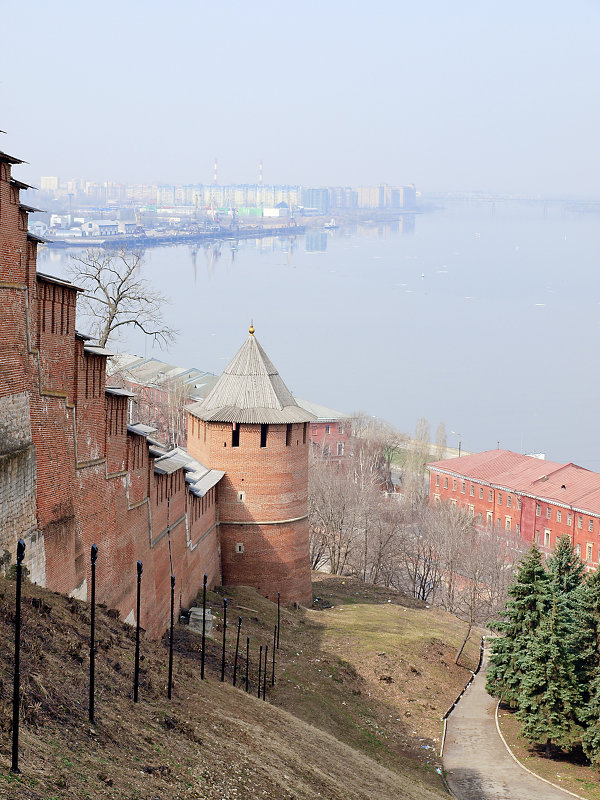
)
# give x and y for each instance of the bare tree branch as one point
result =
(115, 295)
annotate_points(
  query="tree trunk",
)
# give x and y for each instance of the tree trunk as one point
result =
(464, 642)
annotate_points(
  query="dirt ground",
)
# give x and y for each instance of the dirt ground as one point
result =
(354, 712)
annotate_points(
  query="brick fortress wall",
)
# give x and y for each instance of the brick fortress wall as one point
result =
(70, 472)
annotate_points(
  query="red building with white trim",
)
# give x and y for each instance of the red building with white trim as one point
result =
(535, 499)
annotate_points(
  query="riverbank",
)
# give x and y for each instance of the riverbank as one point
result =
(142, 241)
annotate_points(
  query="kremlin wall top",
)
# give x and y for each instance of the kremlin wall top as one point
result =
(250, 390)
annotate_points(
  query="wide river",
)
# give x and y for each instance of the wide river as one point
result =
(484, 316)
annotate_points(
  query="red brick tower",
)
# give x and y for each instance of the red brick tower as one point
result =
(251, 427)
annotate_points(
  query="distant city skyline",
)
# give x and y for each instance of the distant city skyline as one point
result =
(497, 97)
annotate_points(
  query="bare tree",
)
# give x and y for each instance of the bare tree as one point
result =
(441, 442)
(334, 515)
(115, 295)
(418, 455)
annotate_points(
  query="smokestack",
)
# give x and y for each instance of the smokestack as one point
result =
(215, 173)
(260, 173)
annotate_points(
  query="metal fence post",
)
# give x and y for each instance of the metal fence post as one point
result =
(237, 647)
(16, 683)
(265, 675)
(224, 635)
(259, 669)
(278, 616)
(93, 557)
(169, 690)
(273, 668)
(247, 660)
(136, 674)
(203, 627)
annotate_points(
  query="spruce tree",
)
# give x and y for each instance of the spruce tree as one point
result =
(566, 574)
(591, 737)
(565, 568)
(523, 613)
(551, 700)
(591, 618)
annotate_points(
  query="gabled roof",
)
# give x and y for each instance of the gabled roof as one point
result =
(250, 390)
(322, 413)
(21, 185)
(10, 159)
(198, 478)
(41, 276)
(566, 484)
(498, 466)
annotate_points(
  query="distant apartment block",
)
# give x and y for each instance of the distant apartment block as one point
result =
(321, 199)
(49, 183)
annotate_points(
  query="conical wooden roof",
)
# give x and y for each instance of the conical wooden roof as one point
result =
(250, 390)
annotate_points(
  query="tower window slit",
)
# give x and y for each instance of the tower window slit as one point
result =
(288, 435)
(235, 435)
(263, 435)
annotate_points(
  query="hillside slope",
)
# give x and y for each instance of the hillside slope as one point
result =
(211, 740)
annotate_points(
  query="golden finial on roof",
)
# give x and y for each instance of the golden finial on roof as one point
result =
(251, 329)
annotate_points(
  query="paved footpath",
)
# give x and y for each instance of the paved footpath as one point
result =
(477, 764)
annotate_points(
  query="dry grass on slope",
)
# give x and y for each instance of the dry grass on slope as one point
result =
(212, 741)
(373, 668)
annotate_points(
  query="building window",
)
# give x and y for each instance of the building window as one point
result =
(327, 429)
(239, 548)
(538, 510)
(454, 485)
(235, 435)
(537, 537)
(340, 452)
(445, 483)
(463, 487)
(507, 524)
(481, 492)
(437, 480)
(490, 496)
(471, 511)
(472, 492)
(558, 515)
(518, 529)
(453, 502)
(519, 503)
(436, 498)
(589, 551)
(288, 435)
(591, 525)
(508, 501)
(480, 518)
(499, 496)
(578, 550)
(546, 537)
(569, 519)
(490, 519)
(340, 429)
(580, 522)
(498, 524)
(325, 450)
(241, 496)
(263, 435)
(548, 512)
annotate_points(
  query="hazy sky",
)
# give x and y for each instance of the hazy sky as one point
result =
(498, 95)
